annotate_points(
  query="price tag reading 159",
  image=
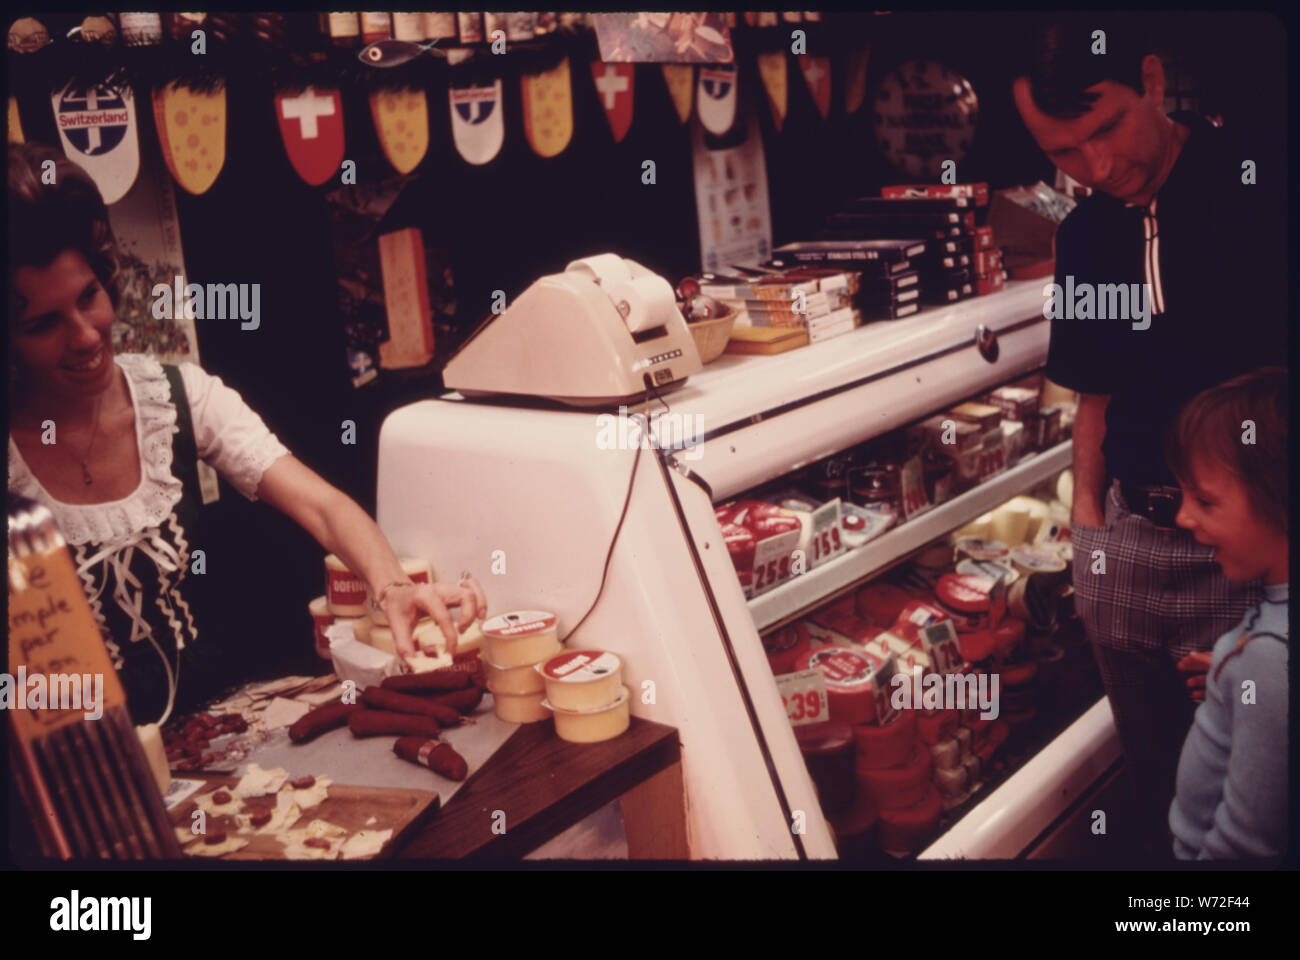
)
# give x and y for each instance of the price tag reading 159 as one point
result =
(804, 696)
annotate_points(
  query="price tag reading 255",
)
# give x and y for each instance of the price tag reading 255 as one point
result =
(804, 696)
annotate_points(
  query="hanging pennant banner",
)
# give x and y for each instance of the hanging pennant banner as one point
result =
(477, 125)
(855, 80)
(192, 133)
(97, 127)
(15, 125)
(402, 122)
(716, 98)
(548, 109)
(311, 125)
(817, 74)
(772, 70)
(614, 84)
(680, 79)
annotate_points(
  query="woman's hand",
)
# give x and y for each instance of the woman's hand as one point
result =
(406, 604)
(1196, 666)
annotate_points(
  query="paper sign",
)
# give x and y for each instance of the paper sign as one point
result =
(803, 695)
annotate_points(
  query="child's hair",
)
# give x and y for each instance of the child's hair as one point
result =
(1212, 424)
(46, 219)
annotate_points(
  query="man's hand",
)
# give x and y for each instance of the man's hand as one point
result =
(1196, 666)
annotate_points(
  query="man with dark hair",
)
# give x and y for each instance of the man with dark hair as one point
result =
(1176, 217)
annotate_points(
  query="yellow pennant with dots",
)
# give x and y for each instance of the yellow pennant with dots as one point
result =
(772, 70)
(192, 134)
(548, 109)
(680, 78)
(15, 125)
(402, 122)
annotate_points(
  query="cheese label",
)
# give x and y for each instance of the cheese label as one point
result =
(680, 79)
(844, 669)
(614, 85)
(97, 127)
(772, 71)
(402, 121)
(804, 696)
(715, 98)
(192, 134)
(817, 74)
(345, 588)
(548, 109)
(519, 623)
(311, 126)
(581, 666)
(477, 125)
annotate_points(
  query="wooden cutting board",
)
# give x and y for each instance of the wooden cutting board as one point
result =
(346, 806)
(766, 339)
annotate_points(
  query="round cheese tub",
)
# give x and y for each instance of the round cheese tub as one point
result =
(420, 571)
(321, 618)
(1030, 560)
(519, 638)
(582, 679)
(345, 592)
(520, 708)
(592, 726)
(979, 548)
(514, 681)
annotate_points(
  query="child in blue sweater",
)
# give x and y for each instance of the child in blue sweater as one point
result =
(1228, 449)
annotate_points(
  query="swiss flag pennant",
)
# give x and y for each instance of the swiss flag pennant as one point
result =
(614, 84)
(477, 124)
(817, 74)
(311, 124)
(97, 127)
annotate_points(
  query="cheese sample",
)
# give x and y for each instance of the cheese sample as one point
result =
(205, 849)
(284, 813)
(582, 679)
(255, 782)
(901, 786)
(420, 571)
(423, 663)
(321, 618)
(520, 708)
(364, 843)
(151, 740)
(521, 637)
(515, 681)
(345, 592)
(593, 726)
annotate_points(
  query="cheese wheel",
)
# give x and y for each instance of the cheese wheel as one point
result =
(1030, 560)
(976, 646)
(1007, 638)
(828, 749)
(593, 726)
(886, 745)
(997, 735)
(784, 647)
(1010, 523)
(419, 571)
(156, 754)
(952, 780)
(321, 618)
(514, 680)
(344, 590)
(901, 786)
(881, 603)
(1019, 675)
(854, 828)
(937, 726)
(904, 830)
(937, 557)
(521, 708)
(980, 548)
(945, 754)
(850, 681)
(582, 679)
(520, 637)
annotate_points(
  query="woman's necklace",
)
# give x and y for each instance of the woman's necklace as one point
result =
(94, 432)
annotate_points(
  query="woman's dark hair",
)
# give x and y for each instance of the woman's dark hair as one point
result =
(1061, 65)
(46, 219)
(1212, 426)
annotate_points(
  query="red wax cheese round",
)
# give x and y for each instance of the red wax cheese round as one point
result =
(896, 787)
(904, 830)
(881, 603)
(740, 544)
(887, 745)
(916, 615)
(1018, 675)
(965, 598)
(937, 726)
(854, 829)
(1007, 637)
(997, 735)
(977, 645)
(850, 681)
(828, 750)
(785, 647)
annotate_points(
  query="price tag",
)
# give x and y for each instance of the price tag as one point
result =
(772, 560)
(912, 477)
(827, 534)
(939, 641)
(804, 696)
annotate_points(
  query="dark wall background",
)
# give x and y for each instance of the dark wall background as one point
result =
(522, 216)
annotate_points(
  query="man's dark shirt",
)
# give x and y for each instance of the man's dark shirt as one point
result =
(1221, 274)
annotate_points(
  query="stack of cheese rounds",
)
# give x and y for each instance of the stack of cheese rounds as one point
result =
(585, 692)
(514, 644)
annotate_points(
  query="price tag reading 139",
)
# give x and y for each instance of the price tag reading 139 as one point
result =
(804, 696)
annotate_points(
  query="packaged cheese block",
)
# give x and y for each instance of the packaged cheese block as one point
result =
(855, 685)
(520, 708)
(945, 754)
(903, 831)
(952, 780)
(582, 679)
(593, 726)
(784, 647)
(419, 571)
(321, 618)
(854, 828)
(344, 590)
(1011, 523)
(902, 786)
(515, 681)
(937, 557)
(151, 740)
(520, 637)
(934, 727)
(828, 750)
(886, 745)
(989, 569)
(881, 603)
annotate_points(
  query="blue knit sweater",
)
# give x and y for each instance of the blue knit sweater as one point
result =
(1231, 800)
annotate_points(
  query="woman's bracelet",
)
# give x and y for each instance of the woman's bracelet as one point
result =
(380, 597)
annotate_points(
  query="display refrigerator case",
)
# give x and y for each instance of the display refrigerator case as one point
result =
(561, 509)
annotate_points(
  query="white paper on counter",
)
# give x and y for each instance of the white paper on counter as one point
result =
(359, 662)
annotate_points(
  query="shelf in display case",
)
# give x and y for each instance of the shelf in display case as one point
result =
(793, 598)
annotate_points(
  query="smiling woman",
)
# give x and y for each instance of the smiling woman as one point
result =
(110, 445)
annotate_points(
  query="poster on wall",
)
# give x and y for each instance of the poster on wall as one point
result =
(664, 37)
(731, 200)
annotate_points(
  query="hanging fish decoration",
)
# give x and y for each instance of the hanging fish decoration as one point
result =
(393, 53)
